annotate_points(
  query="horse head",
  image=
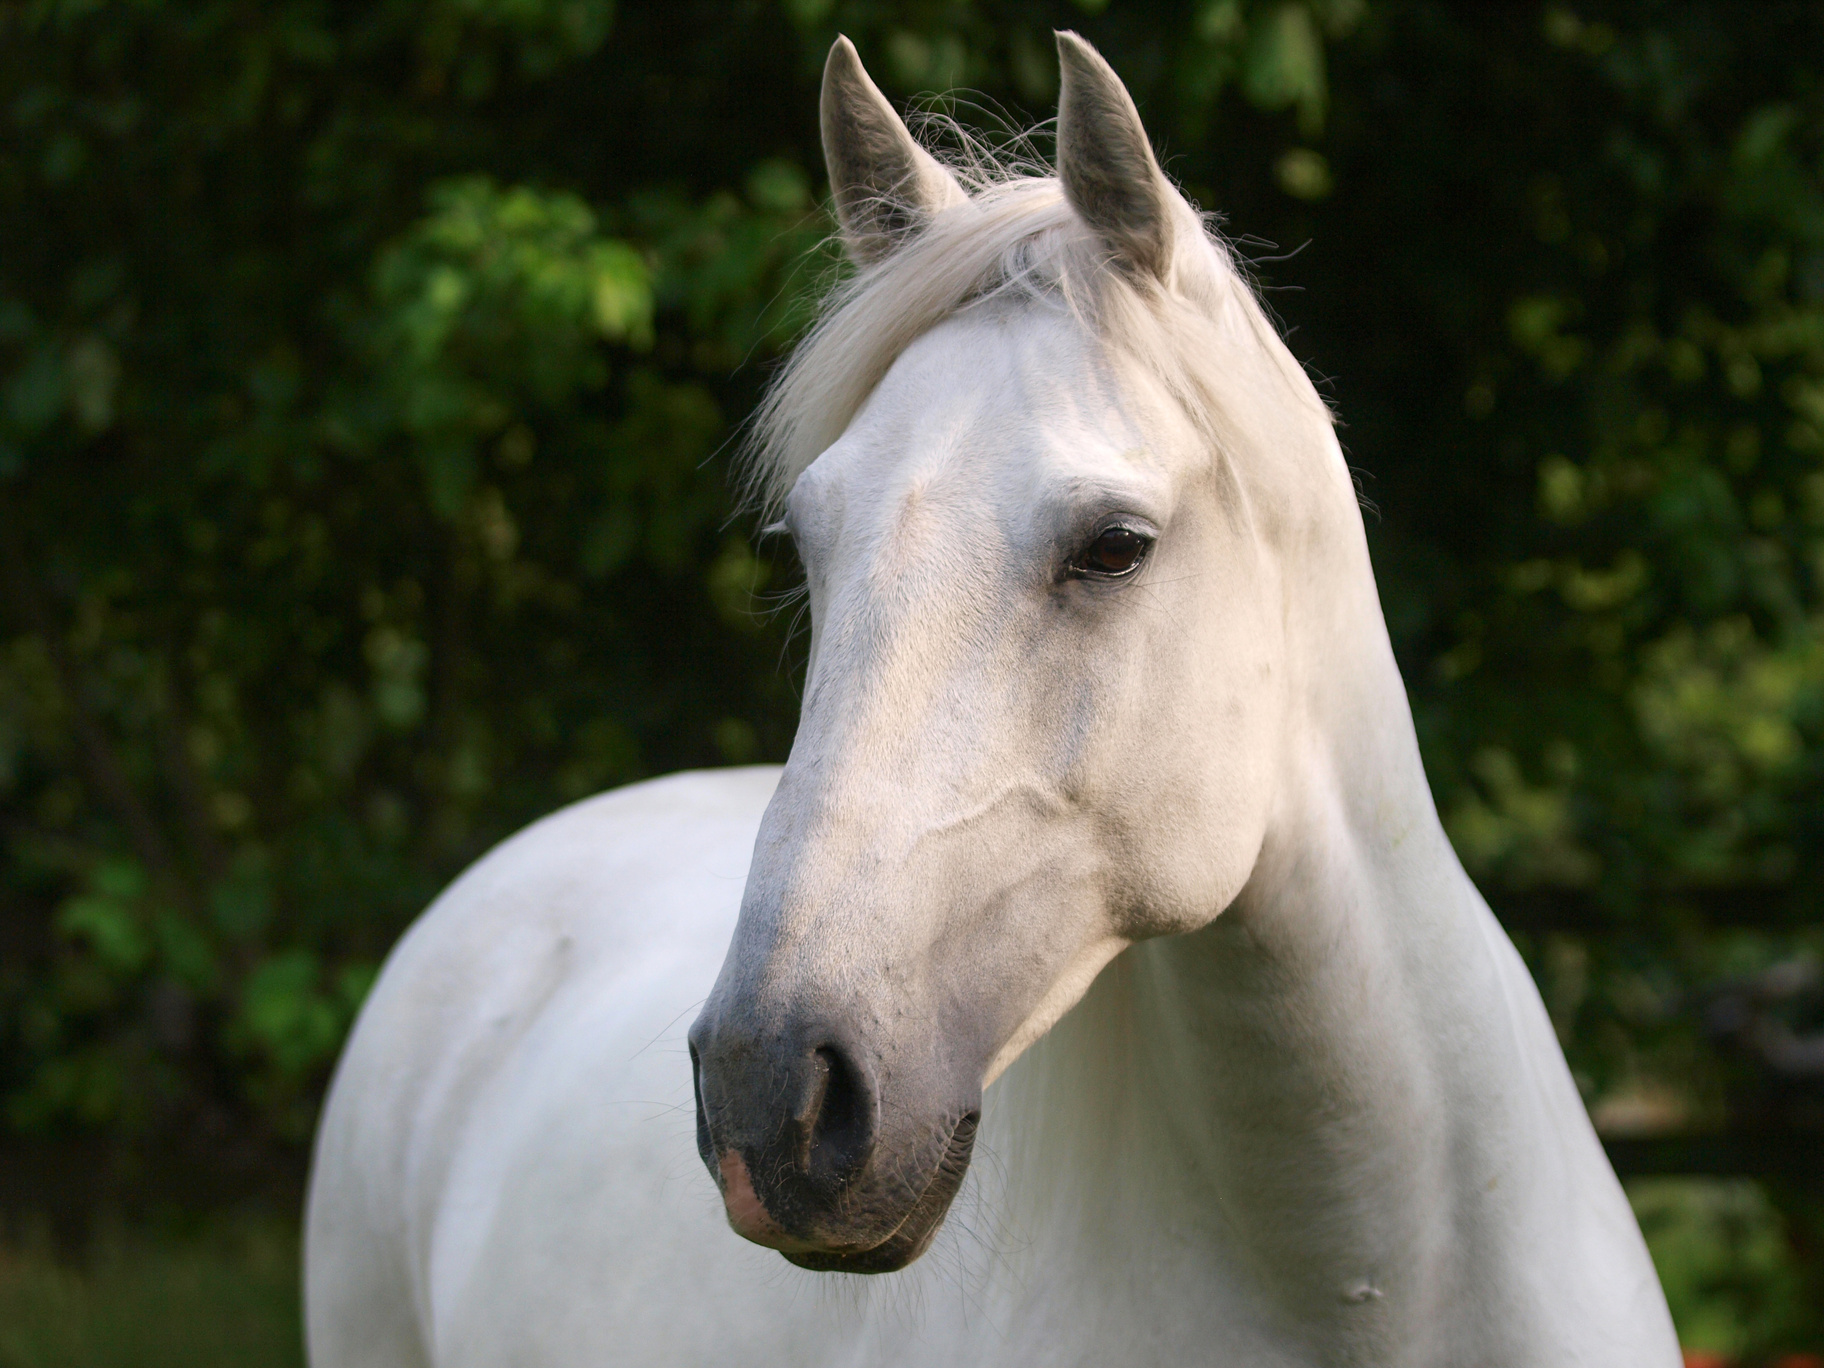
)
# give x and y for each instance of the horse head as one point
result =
(1046, 466)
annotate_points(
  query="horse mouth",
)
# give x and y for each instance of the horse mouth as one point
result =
(913, 1235)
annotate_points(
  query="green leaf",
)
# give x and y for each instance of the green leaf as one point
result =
(779, 187)
(1284, 65)
(284, 1012)
(1304, 174)
(621, 292)
(110, 927)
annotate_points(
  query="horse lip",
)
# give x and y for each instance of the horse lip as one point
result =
(899, 1246)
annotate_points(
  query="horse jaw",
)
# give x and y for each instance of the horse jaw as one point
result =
(1065, 992)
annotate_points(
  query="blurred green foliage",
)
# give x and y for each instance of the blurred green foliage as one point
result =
(1723, 1260)
(369, 374)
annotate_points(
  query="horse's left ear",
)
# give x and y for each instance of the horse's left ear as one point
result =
(1109, 172)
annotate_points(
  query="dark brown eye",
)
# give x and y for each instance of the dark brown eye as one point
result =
(1115, 552)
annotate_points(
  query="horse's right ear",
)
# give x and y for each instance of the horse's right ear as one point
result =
(886, 186)
(1106, 164)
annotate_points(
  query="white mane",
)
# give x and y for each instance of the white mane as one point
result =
(1016, 239)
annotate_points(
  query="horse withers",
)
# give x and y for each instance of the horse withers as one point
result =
(1105, 787)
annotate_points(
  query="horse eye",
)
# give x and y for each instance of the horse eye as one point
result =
(1115, 552)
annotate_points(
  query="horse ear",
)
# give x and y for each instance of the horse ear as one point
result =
(1110, 175)
(886, 186)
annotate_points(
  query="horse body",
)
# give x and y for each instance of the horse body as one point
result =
(506, 1174)
(1105, 788)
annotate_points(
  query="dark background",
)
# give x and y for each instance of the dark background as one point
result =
(370, 377)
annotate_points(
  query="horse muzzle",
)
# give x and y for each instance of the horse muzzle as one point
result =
(811, 1158)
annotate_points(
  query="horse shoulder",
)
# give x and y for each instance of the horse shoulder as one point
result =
(539, 1004)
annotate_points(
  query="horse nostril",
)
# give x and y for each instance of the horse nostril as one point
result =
(705, 1146)
(837, 1119)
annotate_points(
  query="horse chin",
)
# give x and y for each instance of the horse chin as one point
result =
(913, 1236)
